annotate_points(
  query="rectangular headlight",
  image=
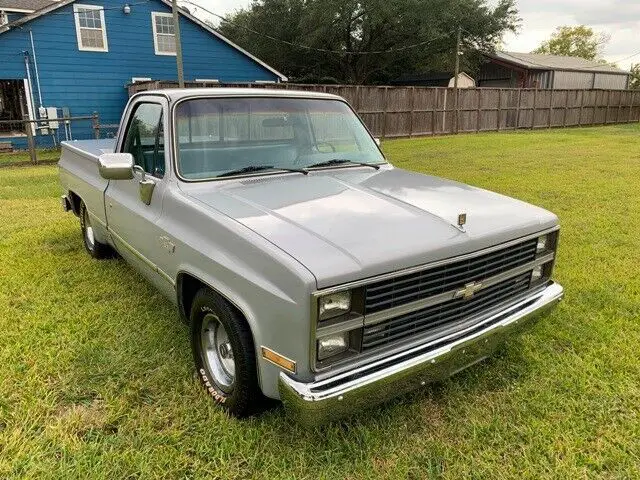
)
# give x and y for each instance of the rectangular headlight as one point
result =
(543, 244)
(332, 345)
(334, 305)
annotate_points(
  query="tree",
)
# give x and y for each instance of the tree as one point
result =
(635, 76)
(419, 35)
(580, 41)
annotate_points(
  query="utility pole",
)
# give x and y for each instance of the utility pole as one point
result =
(455, 81)
(176, 31)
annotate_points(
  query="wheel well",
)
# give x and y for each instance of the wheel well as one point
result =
(75, 203)
(187, 286)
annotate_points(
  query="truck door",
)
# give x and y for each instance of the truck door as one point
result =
(134, 206)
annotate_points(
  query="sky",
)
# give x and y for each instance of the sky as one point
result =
(618, 18)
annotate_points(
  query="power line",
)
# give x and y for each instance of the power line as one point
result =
(317, 49)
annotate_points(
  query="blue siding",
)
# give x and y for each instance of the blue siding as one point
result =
(88, 82)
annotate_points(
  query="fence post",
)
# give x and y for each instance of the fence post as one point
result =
(384, 114)
(581, 108)
(550, 109)
(619, 107)
(30, 140)
(413, 107)
(96, 125)
(533, 112)
(518, 110)
(566, 106)
(633, 94)
(606, 112)
(498, 123)
(479, 109)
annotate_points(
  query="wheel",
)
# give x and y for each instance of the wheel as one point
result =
(94, 248)
(224, 354)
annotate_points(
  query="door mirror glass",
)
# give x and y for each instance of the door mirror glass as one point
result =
(116, 166)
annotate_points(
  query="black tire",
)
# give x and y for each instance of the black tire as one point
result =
(241, 396)
(94, 248)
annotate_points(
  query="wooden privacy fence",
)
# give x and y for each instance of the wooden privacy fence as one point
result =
(419, 111)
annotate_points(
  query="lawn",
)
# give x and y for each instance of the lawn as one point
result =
(22, 157)
(96, 376)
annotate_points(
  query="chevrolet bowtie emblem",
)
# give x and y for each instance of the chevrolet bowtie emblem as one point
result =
(469, 290)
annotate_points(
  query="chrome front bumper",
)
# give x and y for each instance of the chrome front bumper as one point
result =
(363, 387)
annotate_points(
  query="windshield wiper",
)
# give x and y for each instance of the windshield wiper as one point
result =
(260, 168)
(341, 161)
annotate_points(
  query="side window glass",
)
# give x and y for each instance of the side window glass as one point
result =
(144, 139)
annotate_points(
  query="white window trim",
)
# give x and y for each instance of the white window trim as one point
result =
(155, 33)
(76, 9)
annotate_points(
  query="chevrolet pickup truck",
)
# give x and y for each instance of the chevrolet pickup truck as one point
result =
(308, 268)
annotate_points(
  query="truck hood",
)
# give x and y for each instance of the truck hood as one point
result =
(352, 223)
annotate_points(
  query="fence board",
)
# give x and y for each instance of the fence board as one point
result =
(418, 111)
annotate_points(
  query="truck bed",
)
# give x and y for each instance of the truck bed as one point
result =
(91, 148)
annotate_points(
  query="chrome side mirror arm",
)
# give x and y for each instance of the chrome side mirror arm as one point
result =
(146, 185)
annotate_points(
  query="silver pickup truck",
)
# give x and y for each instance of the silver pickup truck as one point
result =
(308, 268)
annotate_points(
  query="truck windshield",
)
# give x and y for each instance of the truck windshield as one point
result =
(218, 136)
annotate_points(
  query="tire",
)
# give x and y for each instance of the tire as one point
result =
(224, 354)
(94, 248)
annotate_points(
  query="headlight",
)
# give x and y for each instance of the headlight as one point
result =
(543, 244)
(333, 345)
(334, 305)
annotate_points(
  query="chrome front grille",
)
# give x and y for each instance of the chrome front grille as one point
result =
(443, 315)
(404, 289)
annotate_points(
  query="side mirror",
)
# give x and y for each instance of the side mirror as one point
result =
(378, 142)
(116, 166)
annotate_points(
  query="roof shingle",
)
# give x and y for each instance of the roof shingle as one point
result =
(31, 5)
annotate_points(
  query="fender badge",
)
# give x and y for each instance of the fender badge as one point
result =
(462, 220)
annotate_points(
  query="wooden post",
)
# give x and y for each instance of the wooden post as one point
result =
(479, 109)
(533, 112)
(606, 113)
(455, 84)
(566, 106)
(550, 109)
(499, 110)
(30, 140)
(518, 109)
(581, 108)
(176, 31)
(96, 125)
(633, 94)
(384, 114)
(619, 108)
(413, 107)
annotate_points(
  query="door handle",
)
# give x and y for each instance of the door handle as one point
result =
(146, 185)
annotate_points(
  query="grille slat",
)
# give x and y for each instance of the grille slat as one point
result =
(462, 277)
(408, 288)
(449, 270)
(404, 289)
(439, 315)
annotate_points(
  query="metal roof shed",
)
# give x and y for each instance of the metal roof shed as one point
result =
(530, 70)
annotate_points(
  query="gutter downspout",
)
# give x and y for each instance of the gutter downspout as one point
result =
(35, 65)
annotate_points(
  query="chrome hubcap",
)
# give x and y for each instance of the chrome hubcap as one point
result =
(88, 230)
(217, 350)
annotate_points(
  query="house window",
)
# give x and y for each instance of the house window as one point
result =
(90, 28)
(164, 36)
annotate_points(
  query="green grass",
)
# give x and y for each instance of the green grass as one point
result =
(22, 158)
(96, 374)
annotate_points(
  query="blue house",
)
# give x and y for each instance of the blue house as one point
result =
(76, 57)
